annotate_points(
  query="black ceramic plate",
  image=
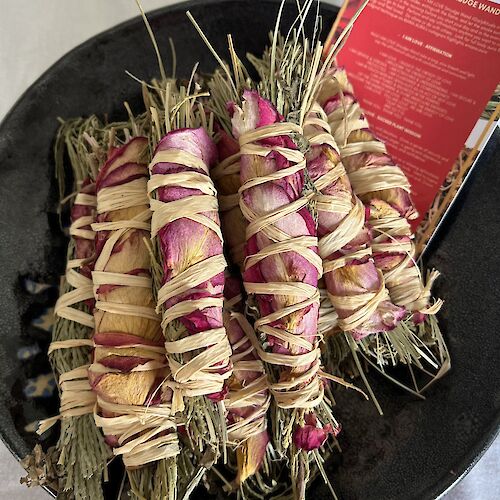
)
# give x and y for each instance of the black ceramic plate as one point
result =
(419, 448)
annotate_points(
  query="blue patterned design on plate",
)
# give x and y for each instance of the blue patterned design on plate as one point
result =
(46, 320)
(40, 387)
(27, 352)
(34, 287)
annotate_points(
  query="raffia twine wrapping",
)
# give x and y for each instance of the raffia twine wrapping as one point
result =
(77, 397)
(144, 432)
(318, 133)
(304, 391)
(328, 317)
(404, 282)
(205, 372)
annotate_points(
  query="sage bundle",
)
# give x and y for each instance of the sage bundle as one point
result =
(355, 286)
(248, 397)
(226, 176)
(129, 363)
(189, 279)
(82, 454)
(281, 271)
(385, 190)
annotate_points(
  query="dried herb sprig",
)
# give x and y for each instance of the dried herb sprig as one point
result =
(256, 468)
(41, 469)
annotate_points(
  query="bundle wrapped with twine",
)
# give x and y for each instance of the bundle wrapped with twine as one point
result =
(82, 453)
(385, 190)
(189, 271)
(129, 362)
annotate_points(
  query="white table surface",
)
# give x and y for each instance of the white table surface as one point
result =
(33, 35)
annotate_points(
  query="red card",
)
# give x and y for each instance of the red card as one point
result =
(423, 71)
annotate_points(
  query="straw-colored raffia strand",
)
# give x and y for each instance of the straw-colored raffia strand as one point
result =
(143, 432)
(127, 195)
(82, 290)
(367, 303)
(347, 119)
(231, 165)
(82, 286)
(328, 317)
(77, 397)
(305, 390)
(69, 344)
(120, 279)
(368, 179)
(404, 281)
(205, 372)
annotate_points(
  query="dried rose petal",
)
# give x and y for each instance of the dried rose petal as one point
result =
(250, 456)
(227, 182)
(310, 437)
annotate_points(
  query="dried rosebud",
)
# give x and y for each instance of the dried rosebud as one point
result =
(124, 165)
(310, 436)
